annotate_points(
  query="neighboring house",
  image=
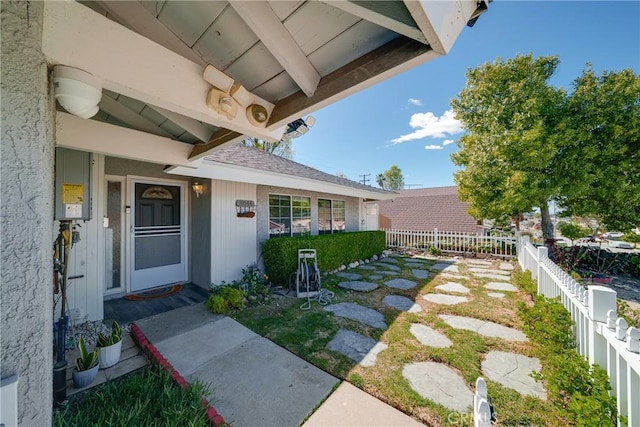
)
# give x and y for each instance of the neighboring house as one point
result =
(137, 68)
(425, 209)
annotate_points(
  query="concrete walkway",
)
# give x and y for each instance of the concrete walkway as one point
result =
(256, 382)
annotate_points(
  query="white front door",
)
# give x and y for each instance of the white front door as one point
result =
(157, 233)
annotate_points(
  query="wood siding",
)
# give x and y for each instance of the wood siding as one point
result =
(233, 239)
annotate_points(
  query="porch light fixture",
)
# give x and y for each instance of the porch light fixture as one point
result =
(77, 91)
(198, 188)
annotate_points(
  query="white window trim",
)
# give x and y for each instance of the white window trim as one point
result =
(291, 196)
(331, 230)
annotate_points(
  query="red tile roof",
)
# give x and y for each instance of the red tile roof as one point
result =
(426, 209)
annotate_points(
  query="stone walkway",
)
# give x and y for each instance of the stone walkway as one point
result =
(435, 381)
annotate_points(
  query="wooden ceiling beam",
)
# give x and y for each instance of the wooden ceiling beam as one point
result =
(273, 34)
(357, 9)
(130, 117)
(220, 138)
(390, 59)
(192, 126)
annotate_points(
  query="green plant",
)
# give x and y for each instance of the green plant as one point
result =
(632, 238)
(87, 359)
(432, 250)
(356, 380)
(255, 285)
(157, 401)
(225, 298)
(105, 340)
(580, 391)
(281, 254)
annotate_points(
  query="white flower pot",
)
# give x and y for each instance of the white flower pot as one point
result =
(82, 379)
(110, 355)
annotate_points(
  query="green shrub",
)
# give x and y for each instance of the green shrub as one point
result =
(225, 298)
(524, 281)
(281, 254)
(434, 251)
(580, 391)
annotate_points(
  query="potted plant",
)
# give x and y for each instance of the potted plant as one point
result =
(86, 366)
(109, 346)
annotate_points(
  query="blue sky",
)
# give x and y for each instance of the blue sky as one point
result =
(405, 121)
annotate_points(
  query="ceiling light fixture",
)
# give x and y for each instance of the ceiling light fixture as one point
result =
(77, 91)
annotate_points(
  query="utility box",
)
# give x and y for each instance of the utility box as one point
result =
(73, 184)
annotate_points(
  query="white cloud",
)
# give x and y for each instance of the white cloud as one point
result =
(428, 125)
(416, 102)
(448, 141)
(433, 147)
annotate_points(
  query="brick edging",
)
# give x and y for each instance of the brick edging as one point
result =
(154, 354)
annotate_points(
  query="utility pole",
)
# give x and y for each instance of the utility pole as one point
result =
(365, 178)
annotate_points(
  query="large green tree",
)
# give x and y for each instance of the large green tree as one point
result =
(282, 148)
(391, 179)
(598, 144)
(509, 111)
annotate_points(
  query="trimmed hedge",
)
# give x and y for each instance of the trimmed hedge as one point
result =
(333, 250)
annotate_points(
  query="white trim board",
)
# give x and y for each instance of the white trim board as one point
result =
(226, 172)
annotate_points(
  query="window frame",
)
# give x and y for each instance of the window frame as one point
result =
(332, 219)
(293, 214)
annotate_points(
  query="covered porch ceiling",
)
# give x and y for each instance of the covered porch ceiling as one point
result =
(292, 57)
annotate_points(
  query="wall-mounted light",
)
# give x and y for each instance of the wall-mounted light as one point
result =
(226, 96)
(198, 188)
(77, 91)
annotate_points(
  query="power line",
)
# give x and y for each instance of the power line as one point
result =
(364, 178)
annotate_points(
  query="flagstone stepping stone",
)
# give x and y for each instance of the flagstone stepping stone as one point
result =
(350, 276)
(362, 350)
(498, 295)
(506, 266)
(445, 299)
(453, 287)
(453, 276)
(388, 272)
(492, 276)
(512, 370)
(391, 267)
(375, 277)
(439, 266)
(367, 267)
(358, 313)
(429, 336)
(483, 327)
(401, 303)
(420, 274)
(358, 286)
(416, 260)
(401, 284)
(489, 271)
(439, 383)
(389, 260)
(452, 269)
(499, 286)
(479, 262)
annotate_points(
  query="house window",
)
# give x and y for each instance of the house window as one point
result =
(289, 215)
(331, 216)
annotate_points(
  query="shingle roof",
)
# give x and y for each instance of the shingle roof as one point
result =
(426, 209)
(241, 155)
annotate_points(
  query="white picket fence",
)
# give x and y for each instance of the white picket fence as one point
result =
(601, 337)
(452, 242)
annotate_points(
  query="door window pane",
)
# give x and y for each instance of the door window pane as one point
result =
(113, 235)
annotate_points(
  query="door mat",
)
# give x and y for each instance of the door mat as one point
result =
(165, 291)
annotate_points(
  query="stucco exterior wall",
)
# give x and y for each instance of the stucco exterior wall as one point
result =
(26, 212)
(351, 204)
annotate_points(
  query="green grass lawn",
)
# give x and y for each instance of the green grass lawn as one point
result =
(307, 333)
(146, 398)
